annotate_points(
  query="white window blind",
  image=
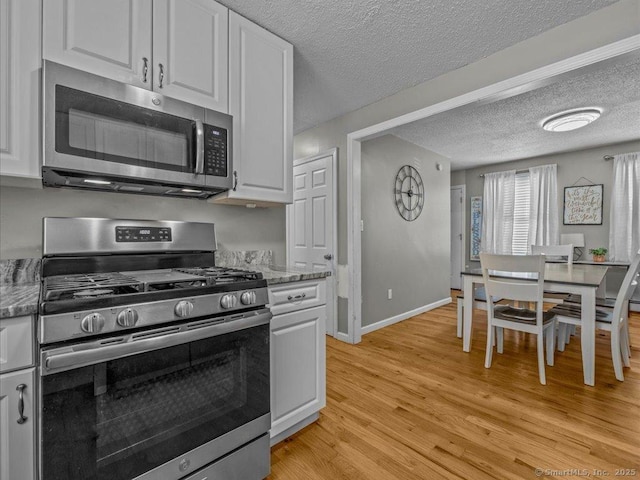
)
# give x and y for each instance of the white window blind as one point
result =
(521, 210)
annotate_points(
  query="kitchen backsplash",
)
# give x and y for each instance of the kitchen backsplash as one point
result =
(19, 271)
(238, 258)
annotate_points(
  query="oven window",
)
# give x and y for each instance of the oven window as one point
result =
(91, 126)
(120, 419)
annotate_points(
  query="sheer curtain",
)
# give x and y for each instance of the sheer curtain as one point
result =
(497, 217)
(624, 227)
(543, 214)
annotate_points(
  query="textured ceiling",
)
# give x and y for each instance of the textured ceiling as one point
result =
(350, 53)
(510, 129)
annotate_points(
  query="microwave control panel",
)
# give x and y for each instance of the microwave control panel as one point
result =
(215, 151)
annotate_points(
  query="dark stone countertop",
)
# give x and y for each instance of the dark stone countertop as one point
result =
(276, 274)
(18, 300)
(19, 287)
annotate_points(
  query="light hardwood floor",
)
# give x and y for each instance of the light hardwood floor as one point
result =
(408, 403)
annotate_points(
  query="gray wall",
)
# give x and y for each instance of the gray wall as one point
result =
(605, 26)
(237, 228)
(411, 258)
(572, 166)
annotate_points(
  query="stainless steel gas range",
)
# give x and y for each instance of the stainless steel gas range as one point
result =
(154, 362)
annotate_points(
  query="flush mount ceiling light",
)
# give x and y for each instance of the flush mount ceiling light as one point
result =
(566, 121)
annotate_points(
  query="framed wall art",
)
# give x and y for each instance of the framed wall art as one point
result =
(476, 228)
(583, 205)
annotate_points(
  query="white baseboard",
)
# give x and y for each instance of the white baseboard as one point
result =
(403, 316)
(343, 337)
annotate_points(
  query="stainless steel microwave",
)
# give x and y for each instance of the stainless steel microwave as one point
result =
(100, 134)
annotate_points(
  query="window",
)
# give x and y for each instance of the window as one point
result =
(521, 217)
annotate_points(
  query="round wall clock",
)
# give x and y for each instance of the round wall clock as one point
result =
(409, 193)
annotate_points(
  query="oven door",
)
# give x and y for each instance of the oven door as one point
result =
(154, 404)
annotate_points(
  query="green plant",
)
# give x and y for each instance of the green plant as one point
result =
(598, 251)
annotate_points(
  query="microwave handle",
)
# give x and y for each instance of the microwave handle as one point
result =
(199, 147)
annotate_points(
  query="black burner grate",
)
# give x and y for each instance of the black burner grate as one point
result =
(63, 287)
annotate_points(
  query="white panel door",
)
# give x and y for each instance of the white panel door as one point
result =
(311, 222)
(457, 235)
(261, 102)
(190, 46)
(20, 89)
(108, 38)
(17, 440)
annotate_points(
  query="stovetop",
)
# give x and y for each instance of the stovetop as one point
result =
(99, 290)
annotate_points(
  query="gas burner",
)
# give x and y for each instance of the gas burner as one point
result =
(90, 285)
(222, 275)
(93, 293)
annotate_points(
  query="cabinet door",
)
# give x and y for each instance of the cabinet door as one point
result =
(110, 39)
(297, 367)
(17, 455)
(190, 45)
(261, 102)
(20, 62)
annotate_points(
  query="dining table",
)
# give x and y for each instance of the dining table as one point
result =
(581, 279)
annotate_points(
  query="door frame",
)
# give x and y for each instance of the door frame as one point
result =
(503, 89)
(463, 187)
(332, 281)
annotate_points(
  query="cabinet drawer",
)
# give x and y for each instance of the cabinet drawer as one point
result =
(16, 343)
(290, 297)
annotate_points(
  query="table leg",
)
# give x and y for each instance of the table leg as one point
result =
(467, 317)
(588, 335)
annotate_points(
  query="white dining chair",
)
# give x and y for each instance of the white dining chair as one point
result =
(562, 253)
(615, 321)
(479, 302)
(500, 274)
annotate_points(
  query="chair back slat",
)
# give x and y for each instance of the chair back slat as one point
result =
(551, 251)
(629, 284)
(500, 272)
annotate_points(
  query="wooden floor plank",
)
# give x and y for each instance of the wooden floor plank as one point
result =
(407, 403)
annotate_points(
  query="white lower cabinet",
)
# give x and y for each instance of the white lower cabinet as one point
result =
(17, 399)
(298, 364)
(17, 425)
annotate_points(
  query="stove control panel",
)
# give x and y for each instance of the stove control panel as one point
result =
(142, 234)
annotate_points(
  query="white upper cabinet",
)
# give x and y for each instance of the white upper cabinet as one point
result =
(261, 102)
(190, 51)
(20, 62)
(110, 39)
(185, 57)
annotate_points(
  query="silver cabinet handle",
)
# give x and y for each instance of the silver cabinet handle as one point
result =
(20, 388)
(145, 69)
(297, 297)
(160, 75)
(199, 147)
(235, 180)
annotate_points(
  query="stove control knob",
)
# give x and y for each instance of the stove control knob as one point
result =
(248, 298)
(127, 317)
(92, 323)
(184, 308)
(228, 301)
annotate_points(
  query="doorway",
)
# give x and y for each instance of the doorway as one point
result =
(457, 235)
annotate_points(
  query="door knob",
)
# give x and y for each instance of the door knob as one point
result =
(328, 256)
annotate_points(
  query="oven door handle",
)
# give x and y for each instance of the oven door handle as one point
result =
(80, 355)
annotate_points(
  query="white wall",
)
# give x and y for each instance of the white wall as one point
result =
(616, 22)
(237, 228)
(411, 258)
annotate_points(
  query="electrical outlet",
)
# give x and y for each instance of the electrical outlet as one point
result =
(390, 294)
